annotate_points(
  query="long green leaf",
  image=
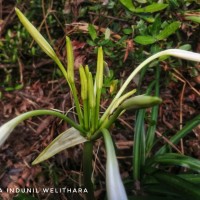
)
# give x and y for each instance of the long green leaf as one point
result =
(177, 159)
(154, 115)
(67, 139)
(145, 40)
(128, 4)
(155, 7)
(139, 145)
(168, 30)
(193, 178)
(181, 134)
(181, 186)
(160, 190)
(193, 18)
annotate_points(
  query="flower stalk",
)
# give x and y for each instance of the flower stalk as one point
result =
(170, 52)
(8, 127)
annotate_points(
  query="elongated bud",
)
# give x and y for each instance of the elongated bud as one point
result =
(87, 71)
(83, 83)
(140, 101)
(70, 60)
(36, 35)
(91, 91)
(122, 99)
(99, 75)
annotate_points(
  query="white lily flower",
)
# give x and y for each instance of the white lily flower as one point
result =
(114, 185)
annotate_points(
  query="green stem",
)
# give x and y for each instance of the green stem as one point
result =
(170, 52)
(74, 91)
(86, 114)
(62, 68)
(54, 113)
(87, 169)
(98, 99)
(77, 104)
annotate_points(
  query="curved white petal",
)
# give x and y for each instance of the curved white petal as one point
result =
(114, 185)
(5, 131)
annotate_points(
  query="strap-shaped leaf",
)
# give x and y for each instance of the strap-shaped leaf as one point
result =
(193, 18)
(177, 159)
(181, 134)
(67, 139)
(181, 186)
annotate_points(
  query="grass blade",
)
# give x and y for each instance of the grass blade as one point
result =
(181, 186)
(177, 159)
(154, 115)
(182, 133)
(139, 145)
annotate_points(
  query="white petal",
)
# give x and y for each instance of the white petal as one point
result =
(187, 55)
(6, 130)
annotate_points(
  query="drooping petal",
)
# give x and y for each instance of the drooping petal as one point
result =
(114, 185)
(6, 130)
(67, 139)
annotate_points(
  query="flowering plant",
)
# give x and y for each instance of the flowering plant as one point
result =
(91, 125)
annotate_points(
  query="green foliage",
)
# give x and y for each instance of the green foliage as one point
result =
(152, 168)
(193, 18)
(165, 33)
(154, 7)
(128, 4)
(92, 32)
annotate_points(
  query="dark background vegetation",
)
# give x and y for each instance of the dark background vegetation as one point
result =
(30, 80)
